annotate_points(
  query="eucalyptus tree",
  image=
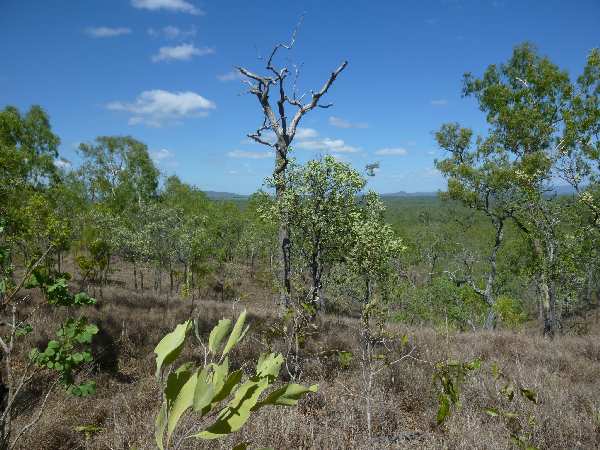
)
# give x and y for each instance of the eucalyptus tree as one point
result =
(527, 105)
(317, 204)
(283, 125)
(118, 171)
(479, 178)
(28, 149)
(580, 163)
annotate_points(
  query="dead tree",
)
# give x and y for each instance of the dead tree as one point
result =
(284, 125)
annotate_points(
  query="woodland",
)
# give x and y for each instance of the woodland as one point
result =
(138, 313)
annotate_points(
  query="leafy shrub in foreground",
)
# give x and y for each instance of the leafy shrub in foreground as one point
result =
(205, 388)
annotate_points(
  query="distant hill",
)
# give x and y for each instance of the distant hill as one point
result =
(217, 195)
(409, 194)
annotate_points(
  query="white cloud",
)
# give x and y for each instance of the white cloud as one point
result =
(342, 123)
(183, 52)
(249, 155)
(306, 133)
(164, 157)
(62, 163)
(327, 144)
(392, 151)
(171, 32)
(439, 102)
(230, 76)
(156, 107)
(104, 32)
(169, 5)
(161, 154)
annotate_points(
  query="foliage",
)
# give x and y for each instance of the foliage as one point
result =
(449, 377)
(65, 354)
(206, 388)
(510, 311)
(317, 206)
(514, 419)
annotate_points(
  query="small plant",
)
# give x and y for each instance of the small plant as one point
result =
(221, 398)
(88, 430)
(449, 377)
(516, 421)
(63, 355)
(70, 350)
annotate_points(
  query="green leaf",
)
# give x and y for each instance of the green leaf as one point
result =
(444, 409)
(203, 393)
(83, 390)
(345, 358)
(236, 413)
(287, 395)
(220, 372)
(232, 381)
(237, 333)
(175, 382)
(529, 395)
(217, 334)
(492, 412)
(160, 425)
(169, 347)
(269, 365)
(241, 446)
(184, 400)
(473, 365)
(23, 329)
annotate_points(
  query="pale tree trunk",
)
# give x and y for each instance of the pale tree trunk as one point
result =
(547, 288)
(488, 295)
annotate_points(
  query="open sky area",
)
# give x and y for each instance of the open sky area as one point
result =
(162, 71)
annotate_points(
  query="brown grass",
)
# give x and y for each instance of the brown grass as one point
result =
(565, 372)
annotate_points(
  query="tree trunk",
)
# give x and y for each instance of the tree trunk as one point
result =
(252, 264)
(135, 284)
(489, 297)
(490, 320)
(549, 308)
(284, 234)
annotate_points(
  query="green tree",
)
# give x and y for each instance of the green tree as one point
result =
(527, 103)
(317, 204)
(118, 171)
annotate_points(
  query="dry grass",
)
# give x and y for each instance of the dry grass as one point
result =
(565, 372)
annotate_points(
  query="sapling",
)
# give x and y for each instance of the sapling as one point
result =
(221, 400)
(63, 355)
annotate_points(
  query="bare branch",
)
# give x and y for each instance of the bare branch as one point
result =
(316, 96)
(285, 46)
(37, 417)
(14, 292)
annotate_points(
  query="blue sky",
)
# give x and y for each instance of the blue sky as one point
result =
(161, 71)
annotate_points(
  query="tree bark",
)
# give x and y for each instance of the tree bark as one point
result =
(547, 289)
(490, 321)
(284, 232)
